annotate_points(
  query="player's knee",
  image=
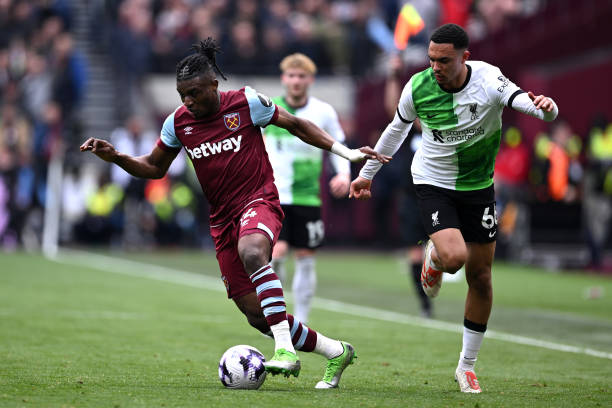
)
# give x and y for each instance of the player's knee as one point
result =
(453, 260)
(253, 258)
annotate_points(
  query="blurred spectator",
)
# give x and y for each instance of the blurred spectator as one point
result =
(242, 54)
(36, 86)
(69, 75)
(131, 51)
(565, 172)
(597, 204)
(172, 35)
(204, 23)
(511, 171)
(15, 173)
(133, 139)
(103, 221)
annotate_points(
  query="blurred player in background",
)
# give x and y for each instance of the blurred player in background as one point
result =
(459, 105)
(221, 133)
(297, 169)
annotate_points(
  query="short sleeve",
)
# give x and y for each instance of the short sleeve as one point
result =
(261, 107)
(405, 108)
(501, 88)
(168, 135)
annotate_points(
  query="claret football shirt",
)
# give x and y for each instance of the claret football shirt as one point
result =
(227, 150)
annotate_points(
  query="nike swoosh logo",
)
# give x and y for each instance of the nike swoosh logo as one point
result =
(431, 116)
(492, 234)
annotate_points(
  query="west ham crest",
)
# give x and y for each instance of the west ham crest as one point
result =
(232, 121)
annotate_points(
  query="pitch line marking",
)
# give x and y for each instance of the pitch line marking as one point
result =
(176, 276)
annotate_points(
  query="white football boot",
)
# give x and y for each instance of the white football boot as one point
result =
(467, 381)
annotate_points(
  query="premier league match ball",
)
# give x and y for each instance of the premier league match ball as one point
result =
(241, 367)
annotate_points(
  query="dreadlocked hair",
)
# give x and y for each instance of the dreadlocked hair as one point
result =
(202, 62)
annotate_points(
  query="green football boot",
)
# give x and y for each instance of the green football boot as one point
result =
(335, 367)
(283, 362)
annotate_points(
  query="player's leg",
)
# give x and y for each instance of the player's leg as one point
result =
(445, 251)
(281, 247)
(412, 233)
(258, 229)
(279, 259)
(415, 259)
(478, 217)
(339, 354)
(307, 234)
(255, 251)
(477, 310)
(304, 283)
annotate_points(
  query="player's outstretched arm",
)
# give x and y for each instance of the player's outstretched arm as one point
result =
(154, 165)
(315, 136)
(540, 106)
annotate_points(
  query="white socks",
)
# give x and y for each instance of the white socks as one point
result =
(303, 287)
(282, 336)
(472, 340)
(328, 347)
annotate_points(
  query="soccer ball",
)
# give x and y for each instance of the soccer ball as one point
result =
(241, 367)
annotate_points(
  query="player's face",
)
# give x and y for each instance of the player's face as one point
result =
(199, 95)
(296, 82)
(447, 63)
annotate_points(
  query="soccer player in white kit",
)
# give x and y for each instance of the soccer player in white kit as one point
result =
(459, 104)
(297, 169)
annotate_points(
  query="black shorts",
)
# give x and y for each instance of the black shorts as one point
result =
(302, 227)
(412, 231)
(472, 212)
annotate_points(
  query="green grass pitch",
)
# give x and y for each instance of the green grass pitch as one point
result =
(132, 330)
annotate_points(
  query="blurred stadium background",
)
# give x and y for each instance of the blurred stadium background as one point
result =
(105, 68)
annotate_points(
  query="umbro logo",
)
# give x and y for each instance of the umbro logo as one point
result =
(188, 130)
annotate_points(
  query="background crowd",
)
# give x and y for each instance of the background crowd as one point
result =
(44, 80)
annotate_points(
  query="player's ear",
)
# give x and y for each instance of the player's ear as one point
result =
(465, 56)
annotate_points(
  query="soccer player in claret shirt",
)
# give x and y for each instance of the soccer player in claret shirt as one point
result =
(221, 133)
(459, 104)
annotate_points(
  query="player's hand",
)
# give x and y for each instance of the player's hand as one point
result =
(100, 148)
(372, 154)
(541, 102)
(339, 185)
(360, 189)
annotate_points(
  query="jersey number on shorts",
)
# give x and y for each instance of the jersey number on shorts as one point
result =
(489, 220)
(316, 232)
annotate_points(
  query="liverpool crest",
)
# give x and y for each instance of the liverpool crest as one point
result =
(232, 121)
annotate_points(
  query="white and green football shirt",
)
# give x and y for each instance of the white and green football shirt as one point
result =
(461, 129)
(297, 165)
